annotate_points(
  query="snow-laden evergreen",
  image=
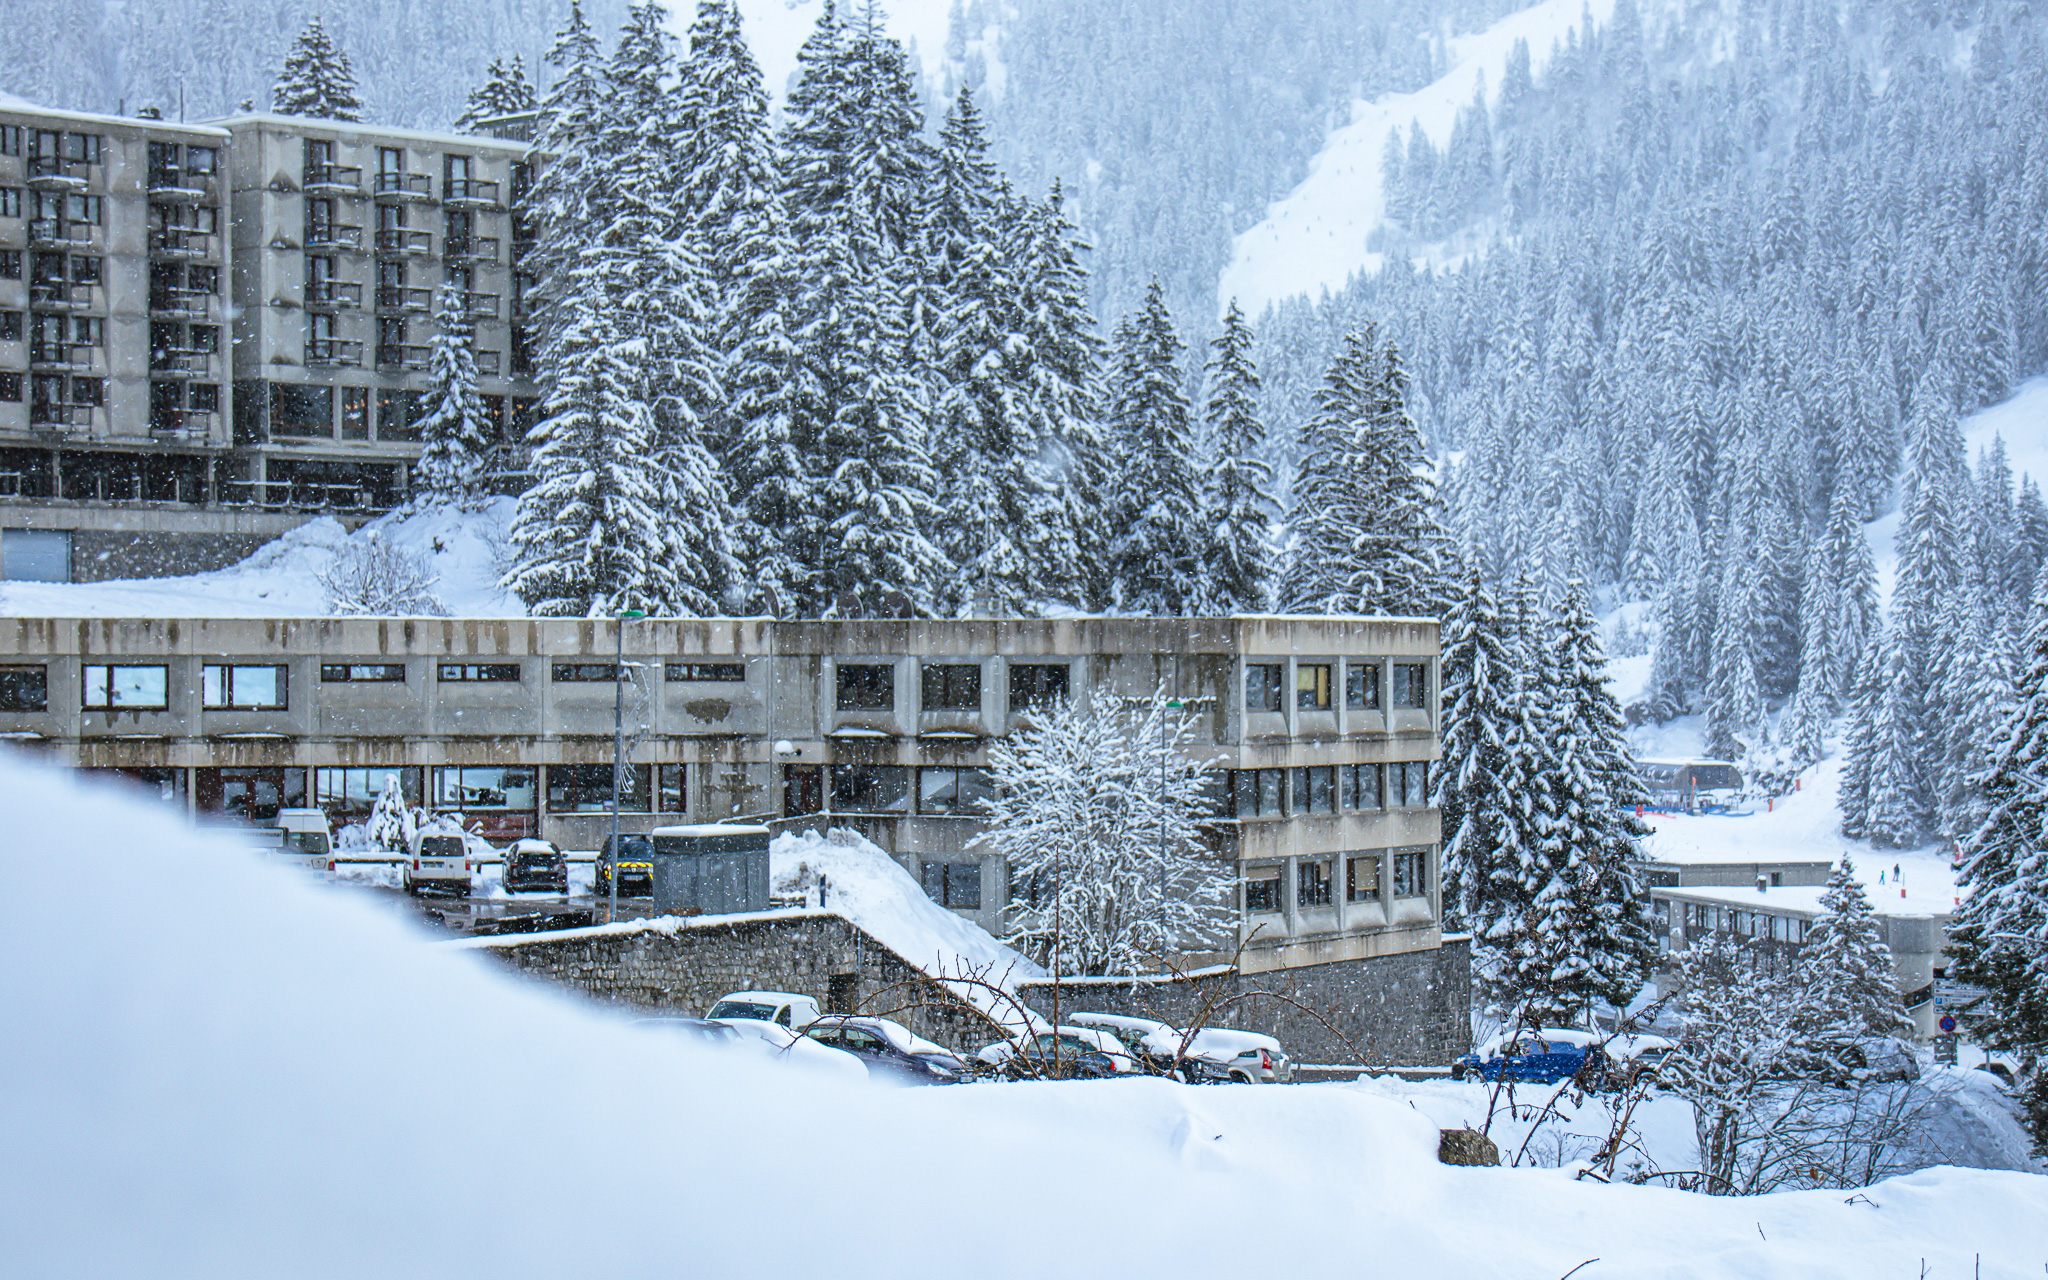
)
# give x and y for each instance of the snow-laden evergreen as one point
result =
(1098, 812)
(455, 436)
(317, 79)
(1238, 508)
(505, 92)
(1845, 968)
(1480, 791)
(1155, 513)
(393, 822)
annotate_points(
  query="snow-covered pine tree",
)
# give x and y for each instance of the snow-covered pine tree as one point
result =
(1997, 935)
(1476, 787)
(393, 821)
(571, 201)
(505, 92)
(1156, 513)
(1893, 750)
(1973, 702)
(1108, 868)
(1237, 483)
(317, 79)
(1368, 532)
(455, 435)
(1845, 968)
(588, 538)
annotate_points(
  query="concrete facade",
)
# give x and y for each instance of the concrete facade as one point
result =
(1319, 760)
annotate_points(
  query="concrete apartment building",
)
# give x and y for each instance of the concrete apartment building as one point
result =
(210, 333)
(1319, 733)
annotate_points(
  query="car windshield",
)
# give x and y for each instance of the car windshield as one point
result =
(633, 849)
(441, 846)
(743, 1009)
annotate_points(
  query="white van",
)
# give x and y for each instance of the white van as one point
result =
(439, 860)
(779, 1007)
(304, 838)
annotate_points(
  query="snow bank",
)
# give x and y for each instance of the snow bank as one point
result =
(281, 578)
(228, 1070)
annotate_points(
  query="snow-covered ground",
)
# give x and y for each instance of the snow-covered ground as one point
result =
(229, 1070)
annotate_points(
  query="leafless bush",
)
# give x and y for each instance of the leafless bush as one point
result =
(372, 577)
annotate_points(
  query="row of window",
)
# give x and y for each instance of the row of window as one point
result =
(264, 686)
(1315, 880)
(79, 148)
(937, 790)
(1315, 690)
(1325, 788)
(1699, 917)
(348, 794)
(53, 206)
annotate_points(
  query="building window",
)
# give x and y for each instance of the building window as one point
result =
(1411, 873)
(255, 688)
(705, 672)
(1408, 784)
(10, 326)
(485, 787)
(1262, 686)
(89, 391)
(1411, 686)
(1315, 789)
(1312, 884)
(955, 791)
(1034, 685)
(1360, 786)
(10, 264)
(143, 688)
(583, 672)
(82, 148)
(1262, 890)
(301, 411)
(672, 794)
(252, 793)
(348, 795)
(10, 202)
(1362, 686)
(480, 672)
(200, 160)
(362, 672)
(871, 788)
(85, 270)
(397, 414)
(10, 139)
(954, 884)
(24, 688)
(1312, 686)
(85, 209)
(1259, 792)
(1362, 878)
(355, 413)
(10, 388)
(867, 687)
(950, 687)
(587, 788)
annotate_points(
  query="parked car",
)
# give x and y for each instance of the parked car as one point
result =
(1632, 1056)
(536, 865)
(635, 860)
(783, 1045)
(438, 860)
(1074, 1053)
(1211, 1054)
(1547, 1055)
(1847, 1061)
(779, 1007)
(701, 1030)
(889, 1049)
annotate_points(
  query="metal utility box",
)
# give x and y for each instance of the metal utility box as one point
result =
(710, 870)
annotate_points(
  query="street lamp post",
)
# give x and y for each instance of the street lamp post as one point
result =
(618, 748)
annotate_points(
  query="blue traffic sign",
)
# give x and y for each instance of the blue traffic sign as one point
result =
(1948, 1024)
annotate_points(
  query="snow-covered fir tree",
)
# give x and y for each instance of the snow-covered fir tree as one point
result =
(455, 436)
(505, 92)
(1097, 811)
(1156, 512)
(393, 820)
(1238, 509)
(316, 79)
(1999, 935)
(1845, 968)
(571, 193)
(1479, 787)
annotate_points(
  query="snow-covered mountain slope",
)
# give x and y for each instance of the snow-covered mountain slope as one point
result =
(239, 1072)
(1315, 238)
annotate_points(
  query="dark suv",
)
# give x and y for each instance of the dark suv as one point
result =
(889, 1049)
(636, 867)
(536, 865)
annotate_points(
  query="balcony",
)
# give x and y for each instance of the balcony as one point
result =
(182, 424)
(400, 299)
(488, 363)
(75, 416)
(397, 186)
(298, 495)
(173, 303)
(334, 180)
(180, 363)
(403, 355)
(469, 193)
(57, 295)
(54, 173)
(174, 186)
(63, 357)
(480, 306)
(56, 233)
(483, 249)
(333, 295)
(176, 244)
(397, 242)
(334, 235)
(333, 353)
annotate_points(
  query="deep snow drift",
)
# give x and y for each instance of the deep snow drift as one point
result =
(225, 1070)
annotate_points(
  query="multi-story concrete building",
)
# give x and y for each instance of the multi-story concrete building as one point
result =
(1320, 733)
(113, 300)
(209, 333)
(346, 236)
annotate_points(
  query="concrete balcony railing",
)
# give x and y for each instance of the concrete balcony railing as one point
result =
(176, 244)
(180, 363)
(73, 416)
(334, 235)
(334, 353)
(54, 173)
(488, 363)
(58, 233)
(178, 187)
(473, 249)
(470, 193)
(399, 242)
(480, 306)
(333, 295)
(182, 424)
(393, 298)
(333, 180)
(181, 304)
(63, 357)
(59, 295)
(403, 355)
(395, 185)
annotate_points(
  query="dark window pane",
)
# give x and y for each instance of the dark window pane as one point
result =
(587, 788)
(1411, 685)
(363, 672)
(1312, 885)
(24, 689)
(674, 796)
(1362, 686)
(950, 687)
(706, 672)
(1037, 684)
(301, 411)
(1262, 894)
(480, 671)
(1312, 686)
(871, 788)
(864, 687)
(583, 672)
(1271, 783)
(1262, 686)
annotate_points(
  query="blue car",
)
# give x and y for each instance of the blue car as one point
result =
(1537, 1057)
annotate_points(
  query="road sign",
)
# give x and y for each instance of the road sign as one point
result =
(1947, 1024)
(1945, 1050)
